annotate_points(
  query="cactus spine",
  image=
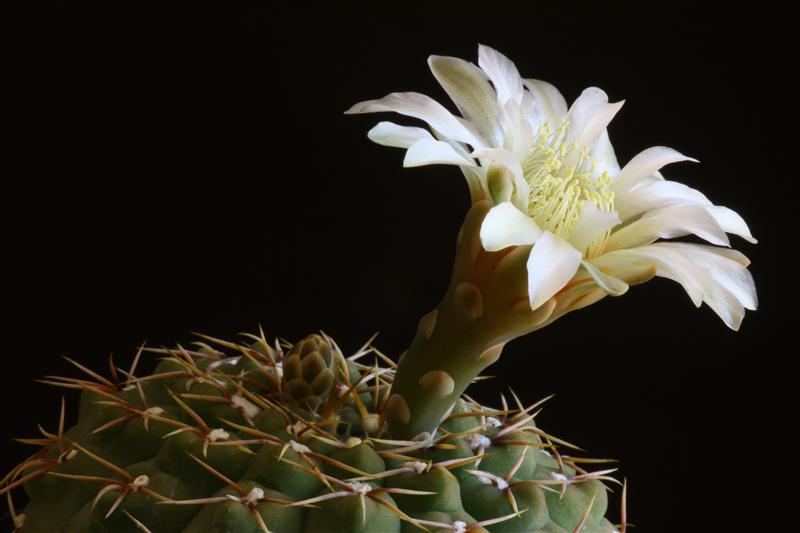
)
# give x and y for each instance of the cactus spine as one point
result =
(256, 437)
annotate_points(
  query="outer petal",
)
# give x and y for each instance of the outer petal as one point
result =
(717, 296)
(632, 271)
(666, 224)
(644, 164)
(610, 284)
(431, 152)
(702, 284)
(591, 224)
(391, 134)
(507, 159)
(726, 271)
(505, 226)
(725, 304)
(467, 86)
(425, 108)
(589, 116)
(731, 222)
(552, 263)
(654, 194)
(476, 181)
(550, 104)
(503, 73)
(671, 265)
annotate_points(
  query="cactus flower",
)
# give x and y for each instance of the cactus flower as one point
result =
(555, 185)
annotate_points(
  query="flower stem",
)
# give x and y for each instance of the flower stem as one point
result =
(485, 306)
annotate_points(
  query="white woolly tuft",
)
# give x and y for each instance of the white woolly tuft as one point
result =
(477, 441)
(299, 448)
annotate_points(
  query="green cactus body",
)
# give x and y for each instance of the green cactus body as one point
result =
(309, 372)
(257, 441)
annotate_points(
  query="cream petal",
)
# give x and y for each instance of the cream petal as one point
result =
(505, 226)
(469, 89)
(589, 116)
(632, 271)
(503, 74)
(604, 156)
(644, 164)
(592, 222)
(727, 307)
(550, 104)
(731, 222)
(517, 131)
(729, 272)
(529, 113)
(653, 194)
(610, 284)
(391, 134)
(476, 182)
(552, 263)
(507, 159)
(419, 106)
(730, 253)
(433, 152)
(671, 265)
(731, 289)
(668, 223)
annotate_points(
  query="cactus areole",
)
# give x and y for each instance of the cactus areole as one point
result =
(262, 435)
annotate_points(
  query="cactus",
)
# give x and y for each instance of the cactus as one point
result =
(258, 436)
(214, 440)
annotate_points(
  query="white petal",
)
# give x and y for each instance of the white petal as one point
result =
(644, 164)
(517, 131)
(653, 194)
(610, 284)
(592, 222)
(507, 159)
(467, 86)
(529, 109)
(391, 134)
(502, 72)
(505, 226)
(589, 116)
(549, 102)
(432, 152)
(632, 270)
(730, 221)
(552, 263)
(730, 253)
(727, 271)
(603, 154)
(671, 265)
(732, 288)
(476, 181)
(668, 223)
(725, 304)
(425, 108)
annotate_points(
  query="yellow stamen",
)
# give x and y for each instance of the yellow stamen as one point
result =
(561, 182)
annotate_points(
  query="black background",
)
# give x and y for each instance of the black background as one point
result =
(177, 171)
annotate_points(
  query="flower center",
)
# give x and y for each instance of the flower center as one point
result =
(560, 179)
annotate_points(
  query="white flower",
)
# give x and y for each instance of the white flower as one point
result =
(555, 183)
